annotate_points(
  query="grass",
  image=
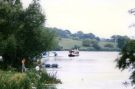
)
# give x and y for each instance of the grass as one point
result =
(67, 43)
(102, 43)
(28, 80)
(14, 80)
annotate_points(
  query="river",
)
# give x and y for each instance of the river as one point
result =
(90, 70)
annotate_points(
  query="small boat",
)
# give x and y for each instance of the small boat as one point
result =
(54, 65)
(49, 54)
(73, 53)
(51, 65)
(47, 65)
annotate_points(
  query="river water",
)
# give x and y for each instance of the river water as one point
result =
(90, 70)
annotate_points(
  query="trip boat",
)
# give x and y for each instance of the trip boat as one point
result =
(73, 53)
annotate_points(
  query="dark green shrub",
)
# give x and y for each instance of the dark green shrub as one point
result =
(40, 78)
(32, 78)
(12, 80)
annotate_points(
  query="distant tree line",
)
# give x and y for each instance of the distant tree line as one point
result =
(91, 41)
(78, 35)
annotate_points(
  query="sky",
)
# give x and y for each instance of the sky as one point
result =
(103, 18)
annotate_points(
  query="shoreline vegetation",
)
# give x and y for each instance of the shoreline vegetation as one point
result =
(23, 36)
(30, 79)
(87, 41)
(66, 44)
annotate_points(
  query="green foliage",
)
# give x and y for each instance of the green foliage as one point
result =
(78, 35)
(96, 46)
(69, 43)
(109, 45)
(11, 80)
(28, 80)
(120, 40)
(56, 46)
(91, 43)
(9, 13)
(40, 78)
(86, 43)
(127, 58)
(127, 55)
(22, 33)
(76, 47)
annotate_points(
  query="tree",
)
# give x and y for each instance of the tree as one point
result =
(109, 45)
(9, 14)
(61, 33)
(96, 46)
(86, 43)
(23, 32)
(89, 36)
(76, 47)
(79, 34)
(91, 43)
(120, 40)
(127, 59)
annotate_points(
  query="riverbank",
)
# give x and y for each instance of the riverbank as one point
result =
(27, 80)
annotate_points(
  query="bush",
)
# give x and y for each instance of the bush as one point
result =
(109, 45)
(11, 80)
(40, 78)
(28, 80)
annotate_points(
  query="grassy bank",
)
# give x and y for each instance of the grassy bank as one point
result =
(28, 80)
(14, 80)
(67, 44)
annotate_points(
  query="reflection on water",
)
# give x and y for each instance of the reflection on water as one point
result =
(90, 70)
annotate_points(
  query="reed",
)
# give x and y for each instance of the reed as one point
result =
(27, 80)
(12, 80)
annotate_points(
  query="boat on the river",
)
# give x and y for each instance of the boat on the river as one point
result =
(49, 54)
(51, 65)
(73, 53)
